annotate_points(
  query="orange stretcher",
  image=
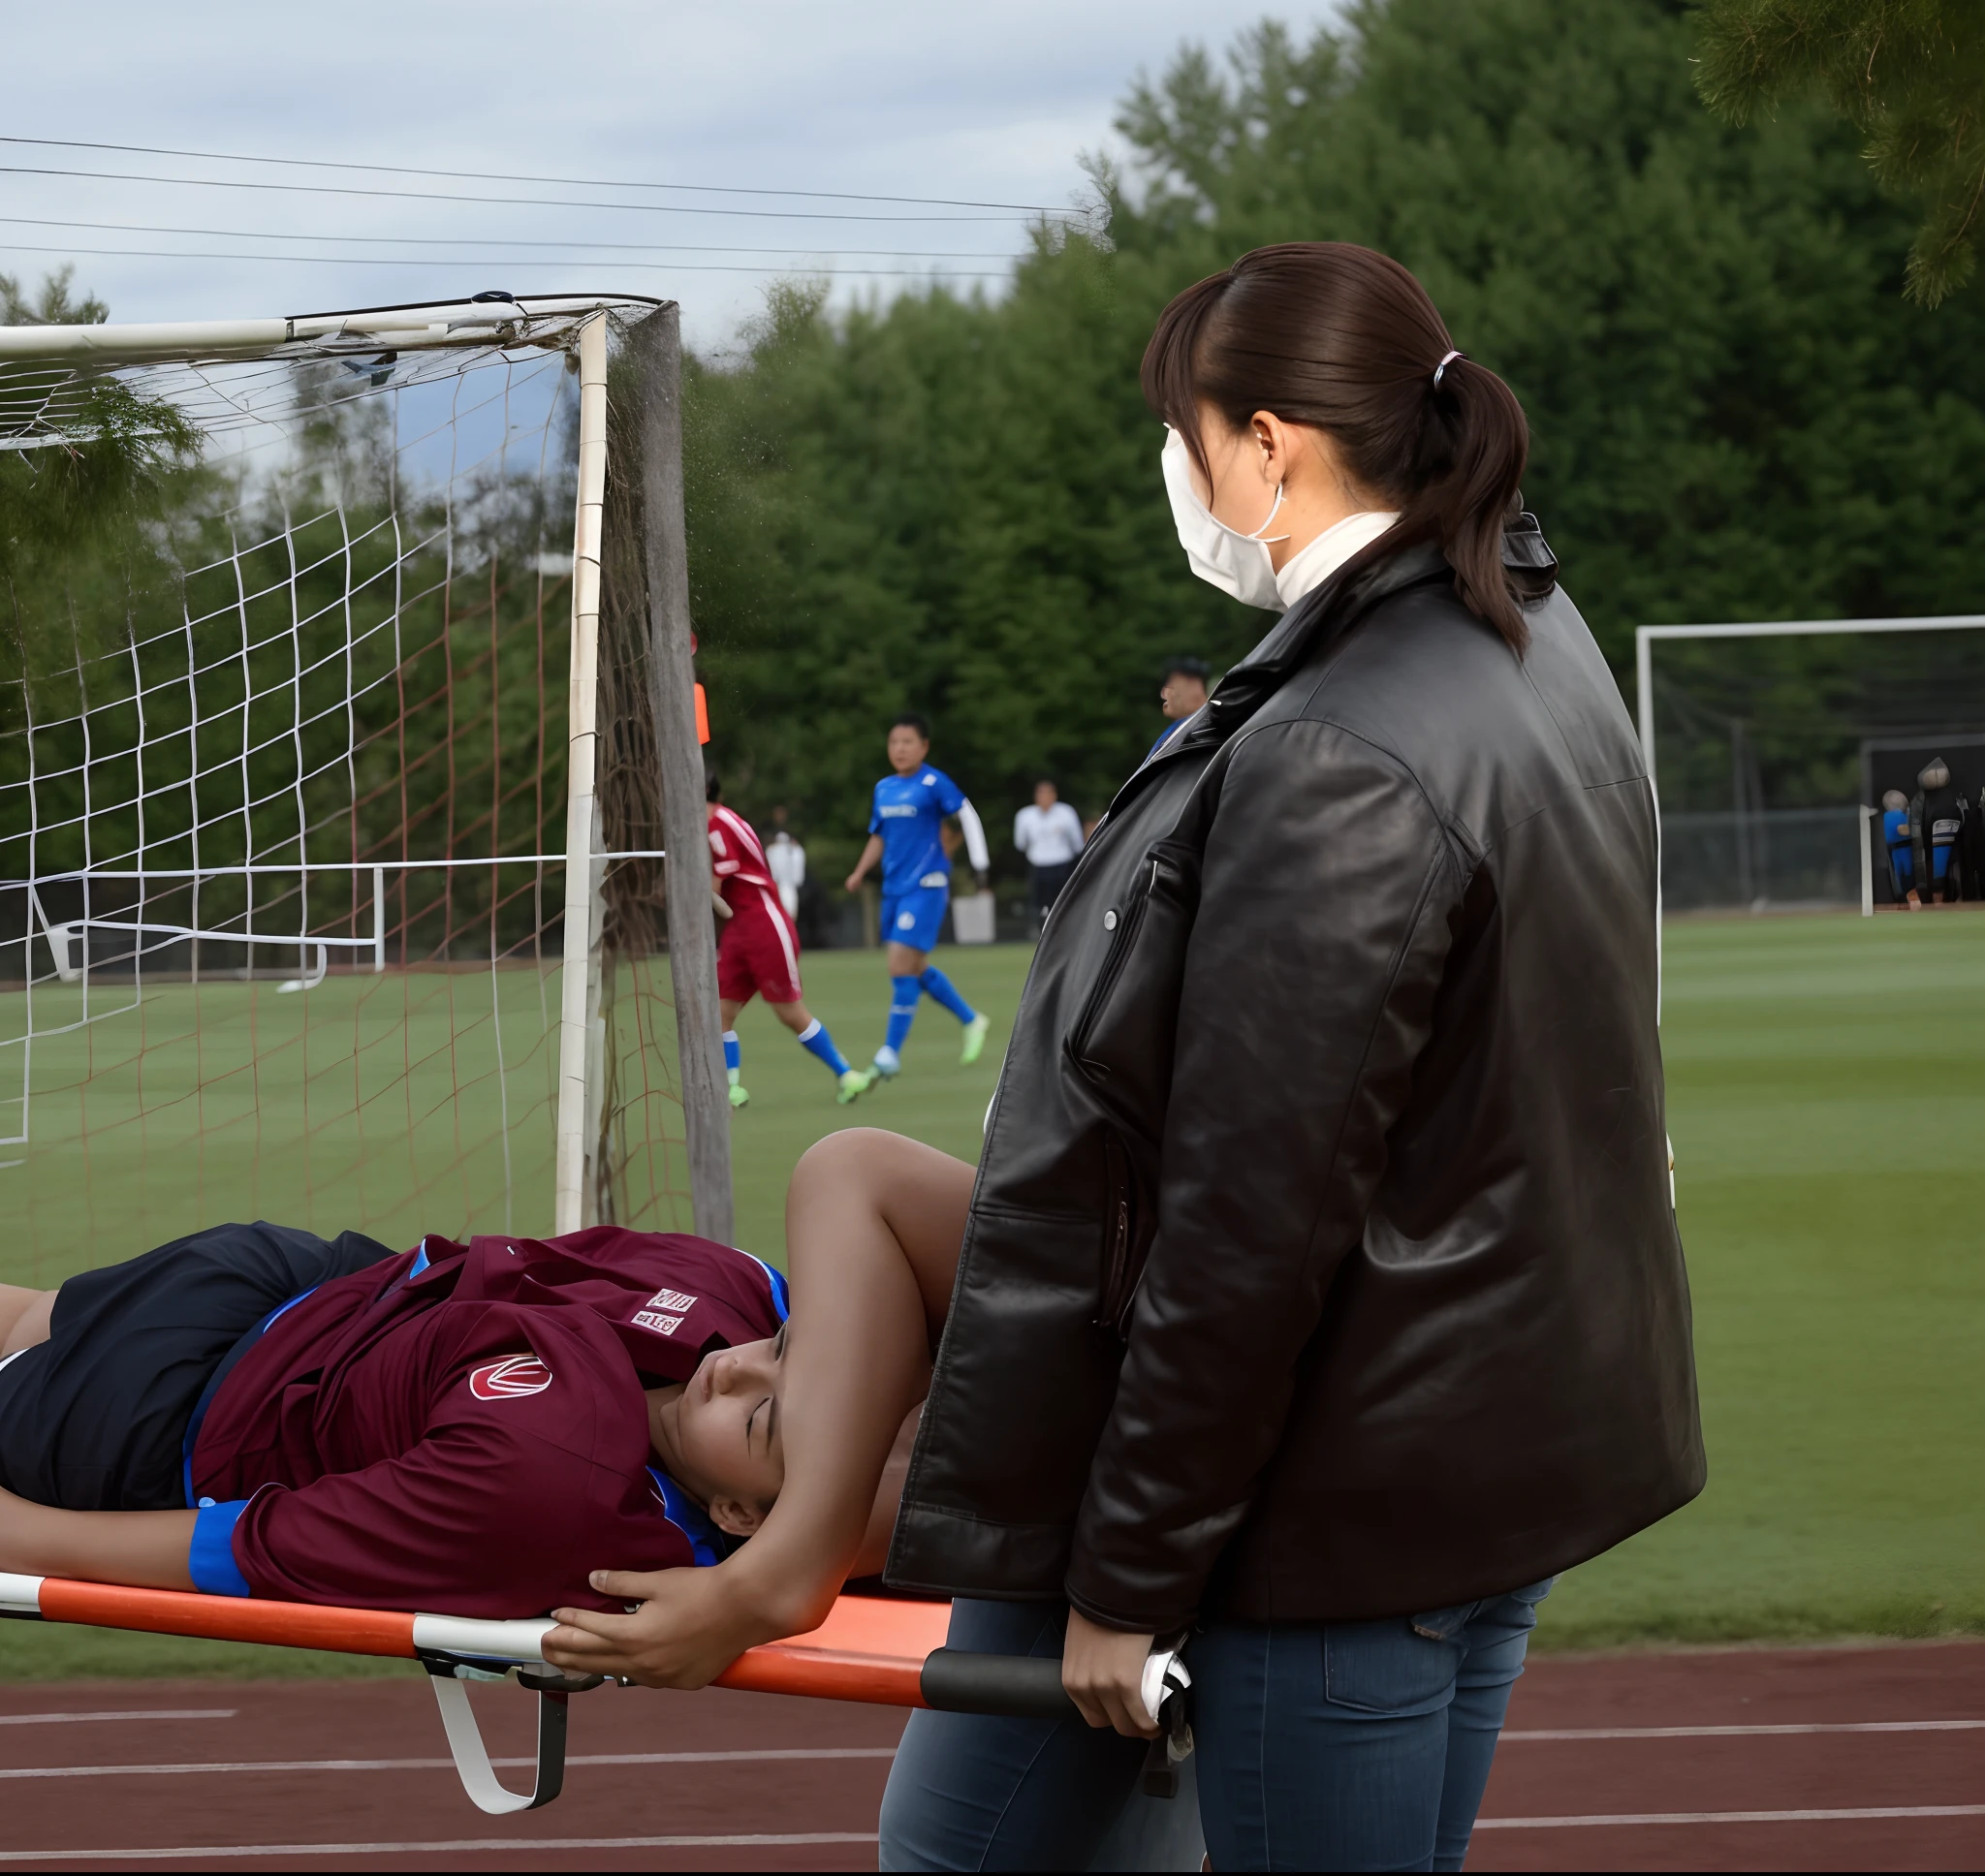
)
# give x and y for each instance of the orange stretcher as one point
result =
(869, 1648)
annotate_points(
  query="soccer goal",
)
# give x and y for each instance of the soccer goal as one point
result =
(1797, 761)
(346, 715)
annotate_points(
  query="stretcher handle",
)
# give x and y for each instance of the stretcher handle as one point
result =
(1015, 1686)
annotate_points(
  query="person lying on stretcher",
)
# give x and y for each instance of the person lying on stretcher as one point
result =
(468, 1430)
(459, 1429)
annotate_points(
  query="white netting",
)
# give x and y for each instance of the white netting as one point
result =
(282, 765)
(1767, 750)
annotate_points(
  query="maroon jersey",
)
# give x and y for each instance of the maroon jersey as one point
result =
(736, 857)
(462, 1428)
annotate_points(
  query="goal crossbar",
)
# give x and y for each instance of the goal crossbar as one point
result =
(530, 319)
(1644, 637)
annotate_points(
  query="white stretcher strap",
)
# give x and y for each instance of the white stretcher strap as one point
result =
(485, 1791)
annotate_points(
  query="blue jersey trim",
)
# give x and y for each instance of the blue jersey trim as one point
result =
(213, 1387)
(707, 1543)
(782, 1295)
(210, 1557)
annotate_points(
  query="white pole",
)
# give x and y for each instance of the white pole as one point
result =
(379, 918)
(1867, 814)
(581, 709)
(1644, 686)
(1824, 628)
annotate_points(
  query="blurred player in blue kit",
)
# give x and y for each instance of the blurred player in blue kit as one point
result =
(905, 833)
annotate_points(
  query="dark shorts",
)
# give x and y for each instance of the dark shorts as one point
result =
(95, 1418)
(1049, 882)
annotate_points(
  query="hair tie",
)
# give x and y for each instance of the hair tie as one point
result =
(1443, 365)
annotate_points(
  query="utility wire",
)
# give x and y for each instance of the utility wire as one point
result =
(500, 242)
(497, 175)
(382, 261)
(496, 201)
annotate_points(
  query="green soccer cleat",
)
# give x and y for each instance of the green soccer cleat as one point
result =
(854, 1084)
(739, 1097)
(975, 1040)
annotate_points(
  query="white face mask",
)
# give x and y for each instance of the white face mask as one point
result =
(1236, 563)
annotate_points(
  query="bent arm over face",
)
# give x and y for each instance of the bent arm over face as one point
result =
(873, 1224)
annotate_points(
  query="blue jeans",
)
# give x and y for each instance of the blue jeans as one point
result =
(1353, 1745)
(1350, 1745)
(970, 1791)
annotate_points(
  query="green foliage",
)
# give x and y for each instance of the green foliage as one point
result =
(108, 462)
(946, 505)
(115, 465)
(1908, 74)
(954, 503)
(52, 305)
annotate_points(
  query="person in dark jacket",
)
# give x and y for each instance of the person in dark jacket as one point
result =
(1319, 1295)
(1321, 1275)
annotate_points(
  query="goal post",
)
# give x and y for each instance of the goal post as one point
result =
(657, 355)
(1825, 729)
(282, 734)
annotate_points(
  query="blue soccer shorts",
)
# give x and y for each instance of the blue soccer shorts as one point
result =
(914, 918)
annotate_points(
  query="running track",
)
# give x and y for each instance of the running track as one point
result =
(1794, 1759)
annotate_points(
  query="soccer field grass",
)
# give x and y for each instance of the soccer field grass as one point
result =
(1826, 1081)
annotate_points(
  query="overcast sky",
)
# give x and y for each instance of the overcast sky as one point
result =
(977, 103)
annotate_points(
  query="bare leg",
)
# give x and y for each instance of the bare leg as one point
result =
(905, 960)
(795, 1015)
(147, 1548)
(24, 1316)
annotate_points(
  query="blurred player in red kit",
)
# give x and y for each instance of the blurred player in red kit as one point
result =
(759, 952)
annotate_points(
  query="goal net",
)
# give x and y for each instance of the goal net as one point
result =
(292, 694)
(1775, 745)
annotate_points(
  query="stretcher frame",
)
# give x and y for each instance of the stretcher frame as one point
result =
(870, 1649)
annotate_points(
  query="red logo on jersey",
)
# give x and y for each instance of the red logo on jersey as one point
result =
(505, 1380)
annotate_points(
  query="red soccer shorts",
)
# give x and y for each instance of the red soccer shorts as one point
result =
(759, 950)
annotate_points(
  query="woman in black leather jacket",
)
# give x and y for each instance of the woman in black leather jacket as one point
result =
(1320, 1296)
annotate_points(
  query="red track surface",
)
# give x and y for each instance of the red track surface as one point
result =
(757, 1782)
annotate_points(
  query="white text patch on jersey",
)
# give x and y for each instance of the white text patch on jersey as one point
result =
(661, 1324)
(673, 1300)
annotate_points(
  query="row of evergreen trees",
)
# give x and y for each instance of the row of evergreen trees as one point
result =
(952, 503)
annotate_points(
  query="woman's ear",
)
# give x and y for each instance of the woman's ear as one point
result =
(737, 1516)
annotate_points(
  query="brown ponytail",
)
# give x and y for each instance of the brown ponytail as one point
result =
(1345, 340)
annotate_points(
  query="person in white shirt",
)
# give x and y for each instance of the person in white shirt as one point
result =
(1050, 834)
(786, 861)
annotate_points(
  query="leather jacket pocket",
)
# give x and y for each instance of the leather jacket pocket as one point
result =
(1122, 1039)
(1129, 1224)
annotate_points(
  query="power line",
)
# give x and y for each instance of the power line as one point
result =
(494, 202)
(502, 243)
(381, 261)
(497, 176)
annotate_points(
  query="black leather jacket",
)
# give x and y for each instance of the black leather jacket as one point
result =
(1321, 1264)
